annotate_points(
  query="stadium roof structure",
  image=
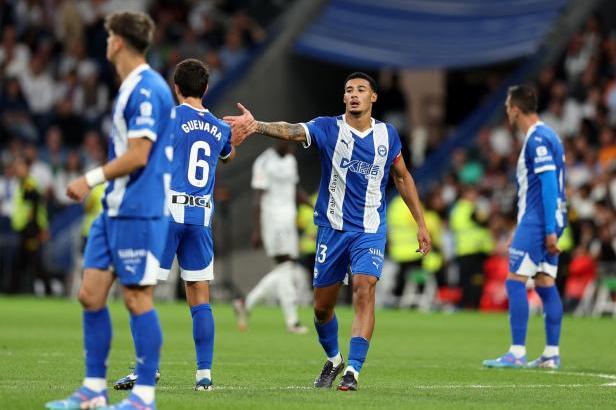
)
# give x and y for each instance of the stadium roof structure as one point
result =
(427, 33)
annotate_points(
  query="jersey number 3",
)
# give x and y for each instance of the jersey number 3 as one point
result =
(195, 163)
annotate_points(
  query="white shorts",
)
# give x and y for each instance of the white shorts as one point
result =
(279, 238)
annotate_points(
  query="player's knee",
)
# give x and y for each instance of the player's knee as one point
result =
(363, 292)
(89, 300)
(544, 280)
(323, 313)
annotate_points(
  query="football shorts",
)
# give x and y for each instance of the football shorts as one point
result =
(338, 250)
(194, 247)
(279, 237)
(528, 254)
(132, 246)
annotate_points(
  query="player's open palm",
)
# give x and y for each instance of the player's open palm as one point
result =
(242, 126)
(77, 189)
(424, 240)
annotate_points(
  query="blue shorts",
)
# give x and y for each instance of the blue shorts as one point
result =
(528, 255)
(132, 246)
(194, 248)
(337, 250)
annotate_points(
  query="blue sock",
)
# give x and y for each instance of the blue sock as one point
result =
(552, 312)
(148, 339)
(96, 341)
(203, 334)
(328, 336)
(518, 311)
(357, 352)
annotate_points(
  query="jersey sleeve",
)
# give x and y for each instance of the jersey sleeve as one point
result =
(539, 152)
(395, 146)
(225, 152)
(142, 114)
(315, 131)
(259, 175)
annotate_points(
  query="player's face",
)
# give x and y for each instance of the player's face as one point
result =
(113, 45)
(358, 96)
(511, 112)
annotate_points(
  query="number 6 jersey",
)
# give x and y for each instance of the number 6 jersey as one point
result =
(200, 139)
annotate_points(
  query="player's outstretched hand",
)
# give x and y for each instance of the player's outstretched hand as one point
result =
(242, 126)
(551, 244)
(78, 189)
(425, 243)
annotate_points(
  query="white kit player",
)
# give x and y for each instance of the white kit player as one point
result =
(274, 180)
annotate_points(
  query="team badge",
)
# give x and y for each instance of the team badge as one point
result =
(382, 150)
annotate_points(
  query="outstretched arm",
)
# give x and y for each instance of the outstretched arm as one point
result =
(406, 187)
(245, 125)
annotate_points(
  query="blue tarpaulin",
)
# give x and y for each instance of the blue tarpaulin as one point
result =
(427, 33)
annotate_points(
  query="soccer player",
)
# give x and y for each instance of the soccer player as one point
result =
(542, 217)
(357, 154)
(274, 179)
(130, 233)
(200, 139)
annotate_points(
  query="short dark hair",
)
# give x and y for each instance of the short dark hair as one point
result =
(191, 77)
(134, 27)
(523, 97)
(359, 74)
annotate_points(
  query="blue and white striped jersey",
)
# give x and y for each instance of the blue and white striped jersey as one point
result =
(142, 109)
(354, 172)
(199, 140)
(542, 151)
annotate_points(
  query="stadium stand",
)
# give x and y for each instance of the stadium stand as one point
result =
(54, 104)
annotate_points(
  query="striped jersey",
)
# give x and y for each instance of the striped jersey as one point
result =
(354, 172)
(144, 108)
(200, 139)
(542, 151)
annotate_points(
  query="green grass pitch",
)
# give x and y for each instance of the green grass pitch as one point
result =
(415, 361)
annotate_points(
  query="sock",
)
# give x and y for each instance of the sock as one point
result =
(203, 334)
(552, 313)
(336, 360)
(357, 352)
(145, 393)
(550, 351)
(518, 311)
(96, 341)
(328, 336)
(203, 374)
(96, 384)
(148, 340)
(518, 351)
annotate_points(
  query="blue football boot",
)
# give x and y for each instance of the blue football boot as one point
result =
(506, 361)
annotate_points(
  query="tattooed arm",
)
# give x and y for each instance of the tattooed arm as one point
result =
(282, 130)
(244, 125)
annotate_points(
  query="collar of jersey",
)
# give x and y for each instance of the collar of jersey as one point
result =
(360, 134)
(136, 71)
(196, 109)
(532, 129)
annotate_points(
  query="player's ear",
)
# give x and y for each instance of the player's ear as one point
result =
(373, 97)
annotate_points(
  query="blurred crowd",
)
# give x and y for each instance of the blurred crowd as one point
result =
(54, 113)
(56, 91)
(472, 210)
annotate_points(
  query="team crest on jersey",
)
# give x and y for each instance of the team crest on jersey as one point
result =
(382, 150)
(542, 151)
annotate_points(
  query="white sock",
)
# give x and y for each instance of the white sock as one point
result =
(351, 369)
(518, 351)
(551, 351)
(95, 383)
(336, 360)
(203, 373)
(145, 393)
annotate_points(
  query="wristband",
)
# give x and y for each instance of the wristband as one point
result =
(95, 177)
